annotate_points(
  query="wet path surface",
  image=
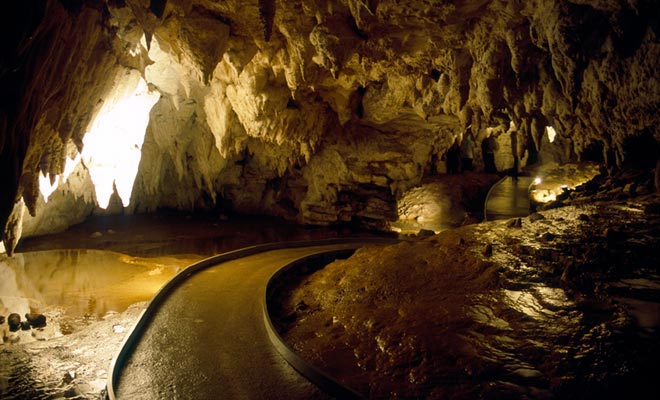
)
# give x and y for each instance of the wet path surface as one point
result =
(508, 198)
(208, 338)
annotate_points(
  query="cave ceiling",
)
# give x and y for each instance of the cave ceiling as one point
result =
(320, 111)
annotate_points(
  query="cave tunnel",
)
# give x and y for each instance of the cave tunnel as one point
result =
(140, 137)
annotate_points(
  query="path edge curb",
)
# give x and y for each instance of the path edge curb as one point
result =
(145, 317)
(319, 377)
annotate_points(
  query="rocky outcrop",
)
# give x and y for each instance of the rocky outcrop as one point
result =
(326, 111)
(494, 309)
(60, 63)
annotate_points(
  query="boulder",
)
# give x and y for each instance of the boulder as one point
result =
(425, 233)
(536, 217)
(14, 321)
(514, 223)
(488, 250)
(36, 320)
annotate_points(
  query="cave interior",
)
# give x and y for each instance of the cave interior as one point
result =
(319, 112)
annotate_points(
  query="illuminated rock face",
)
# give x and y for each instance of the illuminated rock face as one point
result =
(326, 111)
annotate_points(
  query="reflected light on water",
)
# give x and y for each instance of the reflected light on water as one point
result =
(524, 302)
(82, 282)
(558, 179)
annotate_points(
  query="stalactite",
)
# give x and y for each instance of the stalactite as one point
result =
(305, 84)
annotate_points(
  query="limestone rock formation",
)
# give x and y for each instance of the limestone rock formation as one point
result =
(323, 111)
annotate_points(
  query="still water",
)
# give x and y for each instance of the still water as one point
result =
(81, 282)
(72, 288)
(83, 277)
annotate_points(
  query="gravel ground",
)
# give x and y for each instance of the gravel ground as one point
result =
(66, 366)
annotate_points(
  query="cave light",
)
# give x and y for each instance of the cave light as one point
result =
(46, 188)
(540, 194)
(111, 149)
(559, 180)
(552, 133)
(424, 207)
(135, 51)
(543, 196)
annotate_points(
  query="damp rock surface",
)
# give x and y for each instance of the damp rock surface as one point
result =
(558, 308)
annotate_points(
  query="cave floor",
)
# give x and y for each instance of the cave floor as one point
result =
(561, 304)
(564, 305)
(93, 281)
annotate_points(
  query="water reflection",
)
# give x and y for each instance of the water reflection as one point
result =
(81, 282)
(508, 199)
(147, 251)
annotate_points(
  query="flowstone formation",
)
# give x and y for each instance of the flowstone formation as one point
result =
(318, 111)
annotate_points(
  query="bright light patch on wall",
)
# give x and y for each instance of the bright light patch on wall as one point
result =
(112, 148)
(551, 133)
(45, 186)
(425, 207)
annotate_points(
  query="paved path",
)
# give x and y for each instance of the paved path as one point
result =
(508, 198)
(208, 339)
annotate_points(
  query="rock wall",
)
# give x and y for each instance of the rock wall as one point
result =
(55, 68)
(325, 111)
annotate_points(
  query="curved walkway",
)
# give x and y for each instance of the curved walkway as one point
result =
(204, 336)
(508, 198)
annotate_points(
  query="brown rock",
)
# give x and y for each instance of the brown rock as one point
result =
(535, 217)
(547, 237)
(515, 223)
(299, 106)
(36, 320)
(14, 322)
